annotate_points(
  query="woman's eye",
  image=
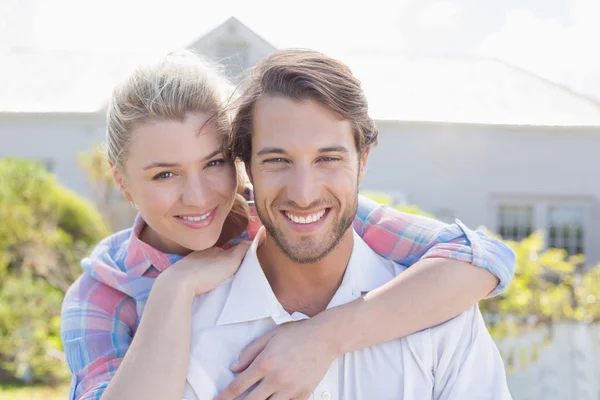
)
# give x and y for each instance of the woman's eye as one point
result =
(163, 175)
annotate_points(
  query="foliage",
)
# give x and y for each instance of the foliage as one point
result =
(29, 392)
(94, 162)
(46, 229)
(30, 328)
(546, 288)
(117, 212)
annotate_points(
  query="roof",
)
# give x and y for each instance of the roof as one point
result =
(435, 89)
(234, 26)
(467, 90)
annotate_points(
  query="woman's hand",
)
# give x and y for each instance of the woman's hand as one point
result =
(202, 271)
(287, 363)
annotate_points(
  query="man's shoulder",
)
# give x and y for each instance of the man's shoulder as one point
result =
(431, 345)
(370, 257)
(456, 326)
(446, 337)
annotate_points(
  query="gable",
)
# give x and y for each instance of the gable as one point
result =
(233, 45)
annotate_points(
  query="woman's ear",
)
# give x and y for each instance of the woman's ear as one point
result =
(120, 182)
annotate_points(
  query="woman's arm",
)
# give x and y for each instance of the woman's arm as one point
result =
(153, 363)
(408, 239)
(427, 294)
(107, 362)
(451, 268)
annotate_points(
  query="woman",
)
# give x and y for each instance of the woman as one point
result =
(126, 321)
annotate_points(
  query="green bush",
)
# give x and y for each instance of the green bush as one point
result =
(544, 289)
(46, 229)
(30, 328)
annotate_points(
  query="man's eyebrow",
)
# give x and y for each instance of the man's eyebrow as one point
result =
(270, 150)
(277, 150)
(333, 149)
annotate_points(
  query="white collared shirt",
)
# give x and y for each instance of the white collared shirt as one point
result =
(454, 360)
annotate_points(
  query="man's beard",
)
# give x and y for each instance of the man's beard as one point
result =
(311, 249)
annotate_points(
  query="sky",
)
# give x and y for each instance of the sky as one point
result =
(556, 39)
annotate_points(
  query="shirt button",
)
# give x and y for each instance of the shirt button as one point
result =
(325, 396)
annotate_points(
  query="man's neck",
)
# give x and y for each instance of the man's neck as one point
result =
(305, 288)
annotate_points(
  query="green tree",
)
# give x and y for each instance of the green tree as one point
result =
(46, 229)
(542, 290)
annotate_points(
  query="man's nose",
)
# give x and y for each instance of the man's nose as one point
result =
(303, 186)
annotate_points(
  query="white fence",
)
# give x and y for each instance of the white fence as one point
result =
(561, 362)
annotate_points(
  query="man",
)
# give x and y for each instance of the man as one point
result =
(304, 132)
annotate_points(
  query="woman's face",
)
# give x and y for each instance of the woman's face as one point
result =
(181, 182)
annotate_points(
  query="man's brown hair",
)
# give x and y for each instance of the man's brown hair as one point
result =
(301, 74)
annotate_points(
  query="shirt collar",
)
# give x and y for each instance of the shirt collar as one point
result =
(141, 256)
(251, 297)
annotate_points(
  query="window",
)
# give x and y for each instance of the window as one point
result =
(515, 222)
(566, 228)
(565, 221)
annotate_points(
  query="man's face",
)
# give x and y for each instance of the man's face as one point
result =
(305, 169)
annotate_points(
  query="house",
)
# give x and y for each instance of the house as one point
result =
(466, 138)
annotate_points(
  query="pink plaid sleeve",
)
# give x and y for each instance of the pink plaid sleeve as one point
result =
(96, 330)
(407, 238)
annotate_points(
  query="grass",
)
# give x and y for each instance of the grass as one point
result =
(20, 392)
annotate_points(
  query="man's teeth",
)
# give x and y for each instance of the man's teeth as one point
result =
(196, 219)
(306, 220)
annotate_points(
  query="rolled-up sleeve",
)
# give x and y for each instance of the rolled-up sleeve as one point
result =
(407, 238)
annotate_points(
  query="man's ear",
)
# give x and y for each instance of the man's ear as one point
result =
(364, 158)
(120, 182)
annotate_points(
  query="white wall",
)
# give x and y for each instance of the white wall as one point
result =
(453, 171)
(467, 169)
(57, 139)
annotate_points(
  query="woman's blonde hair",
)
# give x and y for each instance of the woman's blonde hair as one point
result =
(169, 89)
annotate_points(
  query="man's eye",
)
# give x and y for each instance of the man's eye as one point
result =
(216, 163)
(163, 175)
(276, 160)
(329, 159)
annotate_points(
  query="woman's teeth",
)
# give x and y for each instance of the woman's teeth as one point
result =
(196, 219)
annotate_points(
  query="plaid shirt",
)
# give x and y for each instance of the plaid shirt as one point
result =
(102, 309)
